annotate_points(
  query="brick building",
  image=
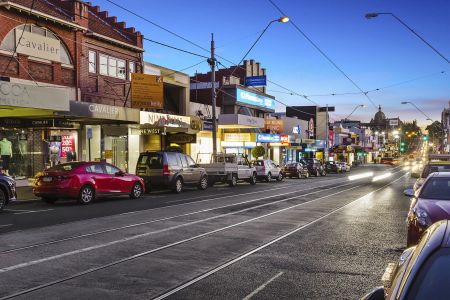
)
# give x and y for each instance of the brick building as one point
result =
(65, 70)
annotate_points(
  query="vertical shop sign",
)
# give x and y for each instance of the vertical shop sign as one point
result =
(67, 144)
(311, 127)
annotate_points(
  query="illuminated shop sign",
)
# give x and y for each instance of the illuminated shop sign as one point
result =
(254, 99)
(268, 138)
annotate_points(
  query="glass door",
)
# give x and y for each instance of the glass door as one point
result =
(120, 152)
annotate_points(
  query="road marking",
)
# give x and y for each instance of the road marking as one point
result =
(127, 239)
(159, 220)
(223, 266)
(6, 225)
(263, 286)
(33, 211)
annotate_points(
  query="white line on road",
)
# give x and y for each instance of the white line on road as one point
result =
(217, 269)
(33, 211)
(263, 286)
(6, 225)
(134, 237)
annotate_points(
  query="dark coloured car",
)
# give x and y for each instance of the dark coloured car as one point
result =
(332, 167)
(86, 181)
(389, 161)
(422, 272)
(171, 170)
(295, 169)
(7, 190)
(431, 203)
(314, 166)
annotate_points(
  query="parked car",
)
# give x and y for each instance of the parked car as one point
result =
(314, 166)
(345, 167)
(267, 170)
(86, 181)
(431, 167)
(422, 271)
(295, 169)
(333, 167)
(7, 190)
(171, 170)
(429, 204)
(389, 161)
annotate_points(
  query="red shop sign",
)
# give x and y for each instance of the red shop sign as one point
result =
(67, 144)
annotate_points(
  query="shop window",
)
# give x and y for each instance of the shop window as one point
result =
(9, 41)
(92, 61)
(131, 69)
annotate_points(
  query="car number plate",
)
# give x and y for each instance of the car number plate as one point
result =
(47, 179)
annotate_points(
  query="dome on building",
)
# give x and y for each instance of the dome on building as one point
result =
(380, 117)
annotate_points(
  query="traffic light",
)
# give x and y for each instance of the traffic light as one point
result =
(402, 144)
(426, 137)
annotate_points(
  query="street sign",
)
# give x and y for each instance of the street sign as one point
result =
(89, 133)
(256, 81)
(147, 91)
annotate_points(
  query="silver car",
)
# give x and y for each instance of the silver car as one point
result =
(267, 170)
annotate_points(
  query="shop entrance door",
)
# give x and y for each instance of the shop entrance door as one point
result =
(119, 152)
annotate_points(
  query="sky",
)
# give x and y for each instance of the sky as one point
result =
(374, 53)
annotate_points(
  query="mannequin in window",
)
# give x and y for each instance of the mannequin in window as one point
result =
(6, 154)
(54, 153)
(71, 156)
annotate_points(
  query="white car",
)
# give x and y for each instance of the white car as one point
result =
(267, 170)
(345, 167)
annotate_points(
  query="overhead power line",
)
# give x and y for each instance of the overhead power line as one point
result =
(175, 48)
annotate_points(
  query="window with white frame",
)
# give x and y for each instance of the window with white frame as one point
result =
(92, 61)
(112, 66)
(131, 69)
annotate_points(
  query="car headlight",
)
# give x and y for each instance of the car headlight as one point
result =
(422, 217)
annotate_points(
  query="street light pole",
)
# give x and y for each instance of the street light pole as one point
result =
(212, 63)
(374, 15)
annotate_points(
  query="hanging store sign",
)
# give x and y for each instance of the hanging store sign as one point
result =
(237, 137)
(256, 80)
(37, 45)
(284, 139)
(182, 138)
(31, 96)
(147, 91)
(308, 141)
(254, 99)
(268, 138)
(161, 120)
(196, 123)
(311, 127)
(274, 125)
(207, 126)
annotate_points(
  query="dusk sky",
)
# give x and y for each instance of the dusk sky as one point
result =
(374, 53)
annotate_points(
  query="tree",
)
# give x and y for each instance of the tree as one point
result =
(411, 128)
(435, 131)
(258, 151)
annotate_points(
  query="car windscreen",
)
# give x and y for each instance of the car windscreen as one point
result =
(152, 160)
(291, 165)
(437, 188)
(435, 168)
(65, 167)
(258, 163)
(432, 280)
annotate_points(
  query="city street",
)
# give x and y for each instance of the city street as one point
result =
(323, 238)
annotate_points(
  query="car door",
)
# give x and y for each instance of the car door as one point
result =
(186, 172)
(99, 178)
(196, 171)
(119, 182)
(275, 169)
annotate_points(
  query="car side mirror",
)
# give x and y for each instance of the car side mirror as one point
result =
(375, 294)
(119, 173)
(409, 193)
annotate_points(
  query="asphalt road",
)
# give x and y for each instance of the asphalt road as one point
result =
(317, 238)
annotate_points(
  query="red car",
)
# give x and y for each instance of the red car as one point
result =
(86, 181)
(431, 203)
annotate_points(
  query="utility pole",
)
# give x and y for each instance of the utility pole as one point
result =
(212, 63)
(327, 130)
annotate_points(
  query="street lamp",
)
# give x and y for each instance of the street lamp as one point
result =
(356, 107)
(374, 15)
(212, 63)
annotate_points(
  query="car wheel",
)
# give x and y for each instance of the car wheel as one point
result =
(178, 186)
(324, 173)
(280, 177)
(49, 200)
(307, 175)
(233, 181)
(136, 191)
(268, 177)
(317, 173)
(203, 184)
(2, 200)
(253, 179)
(87, 195)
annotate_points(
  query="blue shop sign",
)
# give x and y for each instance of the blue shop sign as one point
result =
(255, 81)
(268, 138)
(254, 99)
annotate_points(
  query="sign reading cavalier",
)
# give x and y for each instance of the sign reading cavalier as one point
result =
(39, 46)
(147, 91)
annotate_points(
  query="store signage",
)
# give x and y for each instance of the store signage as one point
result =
(31, 96)
(284, 139)
(196, 123)
(268, 138)
(101, 111)
(308, 141)
(311, 127)
(237, 137)
(254, 99)
(58, 123)
(237, 120)
(149, 131)
(297, 129)
(393, 122)
(310, 150)
(161, 120)
(274, 125)
(147, 91)
(330, 137)
(203, 85)
(319, 144)
(182, 138)
(55, 138)
(67, 144)
(37, 45)
(207, 126)
(256, 81)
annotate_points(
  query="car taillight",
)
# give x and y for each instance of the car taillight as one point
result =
(166, 171)
(64, 177)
